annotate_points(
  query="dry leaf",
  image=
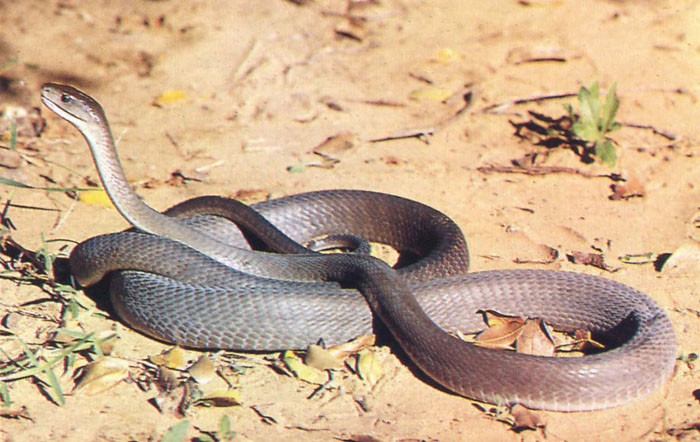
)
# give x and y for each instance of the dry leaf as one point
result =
(303, 371)
(629, 188)
(334, 145)
(590, 259)
(583, 340)
(321, 359)
(101, 375)
(250, 196)
(502, 331)
(352, 347)
(220, 398)
(494, 318)
(684, 261)
(22, 413)
(525, 419)
(446, 55)
(168, 379)
(368, 366)
(96, 197)
(172, 358)
(202, 371)
(432, 93)
(169, 97)
(535, 339)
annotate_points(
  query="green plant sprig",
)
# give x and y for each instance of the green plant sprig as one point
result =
(596, 120)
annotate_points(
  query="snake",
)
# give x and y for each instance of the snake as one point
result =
(213, 273)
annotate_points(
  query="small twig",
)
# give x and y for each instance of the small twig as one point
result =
(669, 136)
(466, 94)
(501, 106)
(543, 170)
(66, 214)
(323, 387)
(267, 419)
(421, 134)
(236, 73)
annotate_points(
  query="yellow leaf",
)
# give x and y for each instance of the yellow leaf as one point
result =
(171, 358)
(321, 359)
(101, 375)
(351, 347)
(303, 371)
(368, 366)
(494, 318)
(446, 55)
(97, 197)
(170, 96)
(433, 93)
(202, 371)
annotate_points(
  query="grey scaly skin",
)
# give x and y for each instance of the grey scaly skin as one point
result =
(192, 282)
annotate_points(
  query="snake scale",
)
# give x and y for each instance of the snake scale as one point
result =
(189, 277)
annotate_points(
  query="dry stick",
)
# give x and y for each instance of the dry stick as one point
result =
(500, 107)
(544, 170)
(467, 95)
(665, 134)
(236, 74)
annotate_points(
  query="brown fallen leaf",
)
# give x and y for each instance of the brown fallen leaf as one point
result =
(250, 196)
(333, 146)
(583, 342)
(535, 339)
(352, 347)
(627, 189)
(101, 375)
(502, 330)
(524, 419)
(591, 259)
(220, 398)
(22, 413)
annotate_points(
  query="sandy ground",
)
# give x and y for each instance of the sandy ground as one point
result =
(263, 83)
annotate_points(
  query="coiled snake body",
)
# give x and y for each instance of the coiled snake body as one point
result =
(188, 278)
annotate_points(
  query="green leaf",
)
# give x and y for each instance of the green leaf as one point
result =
(606, 152)
(586, 131)
(589, 104)
(13, 183)
(612, 103)
(5, 400)
(225, 433)
(13, 135)
(177, 432)
(298, 167)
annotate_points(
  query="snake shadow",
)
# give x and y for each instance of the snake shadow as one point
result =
(99, 293)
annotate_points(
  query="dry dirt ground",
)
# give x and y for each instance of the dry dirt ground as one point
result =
(231, 97)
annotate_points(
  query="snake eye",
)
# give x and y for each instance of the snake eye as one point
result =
(65, 98)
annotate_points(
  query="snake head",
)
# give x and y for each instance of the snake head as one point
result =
(74, 106)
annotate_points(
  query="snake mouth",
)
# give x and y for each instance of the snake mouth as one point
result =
(59, 102)
(52, 104)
